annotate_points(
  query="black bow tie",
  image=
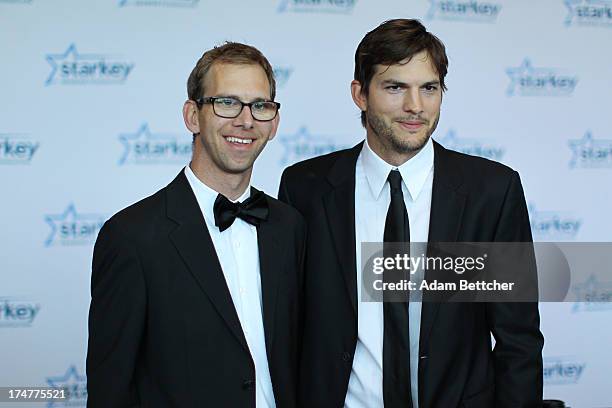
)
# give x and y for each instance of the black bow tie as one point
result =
(253, 210)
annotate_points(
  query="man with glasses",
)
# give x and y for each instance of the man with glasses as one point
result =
(400, 186)
(195, 289)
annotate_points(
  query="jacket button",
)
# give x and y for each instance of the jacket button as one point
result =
(346, 356)
(246, 384)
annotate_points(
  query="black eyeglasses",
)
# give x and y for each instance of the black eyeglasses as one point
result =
(230, 108)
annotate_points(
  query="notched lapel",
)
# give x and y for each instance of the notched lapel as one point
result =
(195, 246)
(339, 206)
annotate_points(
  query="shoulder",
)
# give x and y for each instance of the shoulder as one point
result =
(477, 173)
(284, 213)
(138, 219)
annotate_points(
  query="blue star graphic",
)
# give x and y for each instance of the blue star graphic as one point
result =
(141, 135)
(603, 148)
(70, 380)
(572, 5)
(578, 145)
(593, 286)
(71, 215)
(71, 54)
(450, 139)
(432, 9)
(303, 144)
(525, 68)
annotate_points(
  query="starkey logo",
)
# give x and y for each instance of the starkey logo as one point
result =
(469, 11)
(146, 147)
(527, 80)
(17, 312)
(17, 148)
(159, 3)
(316, 6)
(75, 386)
(589, 13)
(304, 145)
(592, 295)
(563, 370)
(589, 152)
(551, 225)
(74, 68)
(473, 146)
(72, 228)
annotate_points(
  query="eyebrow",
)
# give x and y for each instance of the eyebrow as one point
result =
(404, 84)
(240, 99)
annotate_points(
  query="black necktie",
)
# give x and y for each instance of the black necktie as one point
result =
(253, 210)
(396, 344)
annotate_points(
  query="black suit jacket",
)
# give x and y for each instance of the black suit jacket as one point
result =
(163, 330)
(473, 199)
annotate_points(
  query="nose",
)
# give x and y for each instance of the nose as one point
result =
(244, 119)
(413, 102)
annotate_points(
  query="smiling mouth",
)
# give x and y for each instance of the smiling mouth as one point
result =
(238, 140)
(410, 125)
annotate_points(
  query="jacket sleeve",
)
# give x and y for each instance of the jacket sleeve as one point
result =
(116, 320)
(516, 326)
(283, 189)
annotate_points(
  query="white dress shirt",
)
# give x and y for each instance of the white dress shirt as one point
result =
(238, 254)
(372, 199)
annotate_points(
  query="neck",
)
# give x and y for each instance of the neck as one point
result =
(231, 186)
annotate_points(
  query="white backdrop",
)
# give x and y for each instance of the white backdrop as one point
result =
(90, 121)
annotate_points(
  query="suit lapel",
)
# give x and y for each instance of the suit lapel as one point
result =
(447, 204)
(340, 210)
(194, 244)
(271, 266)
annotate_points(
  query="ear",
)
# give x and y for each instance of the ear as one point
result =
(190, 116)
(358, 96)
(274, 123)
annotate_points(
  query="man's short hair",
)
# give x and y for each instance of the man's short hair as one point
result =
(228, 53)
(392, 42)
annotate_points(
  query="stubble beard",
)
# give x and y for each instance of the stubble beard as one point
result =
(390, 140)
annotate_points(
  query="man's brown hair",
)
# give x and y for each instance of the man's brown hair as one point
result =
(228, 53)
(393, 42)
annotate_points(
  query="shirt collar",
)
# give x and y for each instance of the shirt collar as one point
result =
(206, 196)
(414, 172)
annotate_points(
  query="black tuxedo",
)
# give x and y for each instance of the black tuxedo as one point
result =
(163, 331)
(473, 199)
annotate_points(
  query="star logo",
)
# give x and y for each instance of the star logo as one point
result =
(463, 10)
(74, 68)
(303, 145)
(472, 146)
(592, 295)
(589, 12)
(75, 386)
(144, 147)
(71, 228)
(527, 80)
(589, 152)
(552, 224)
